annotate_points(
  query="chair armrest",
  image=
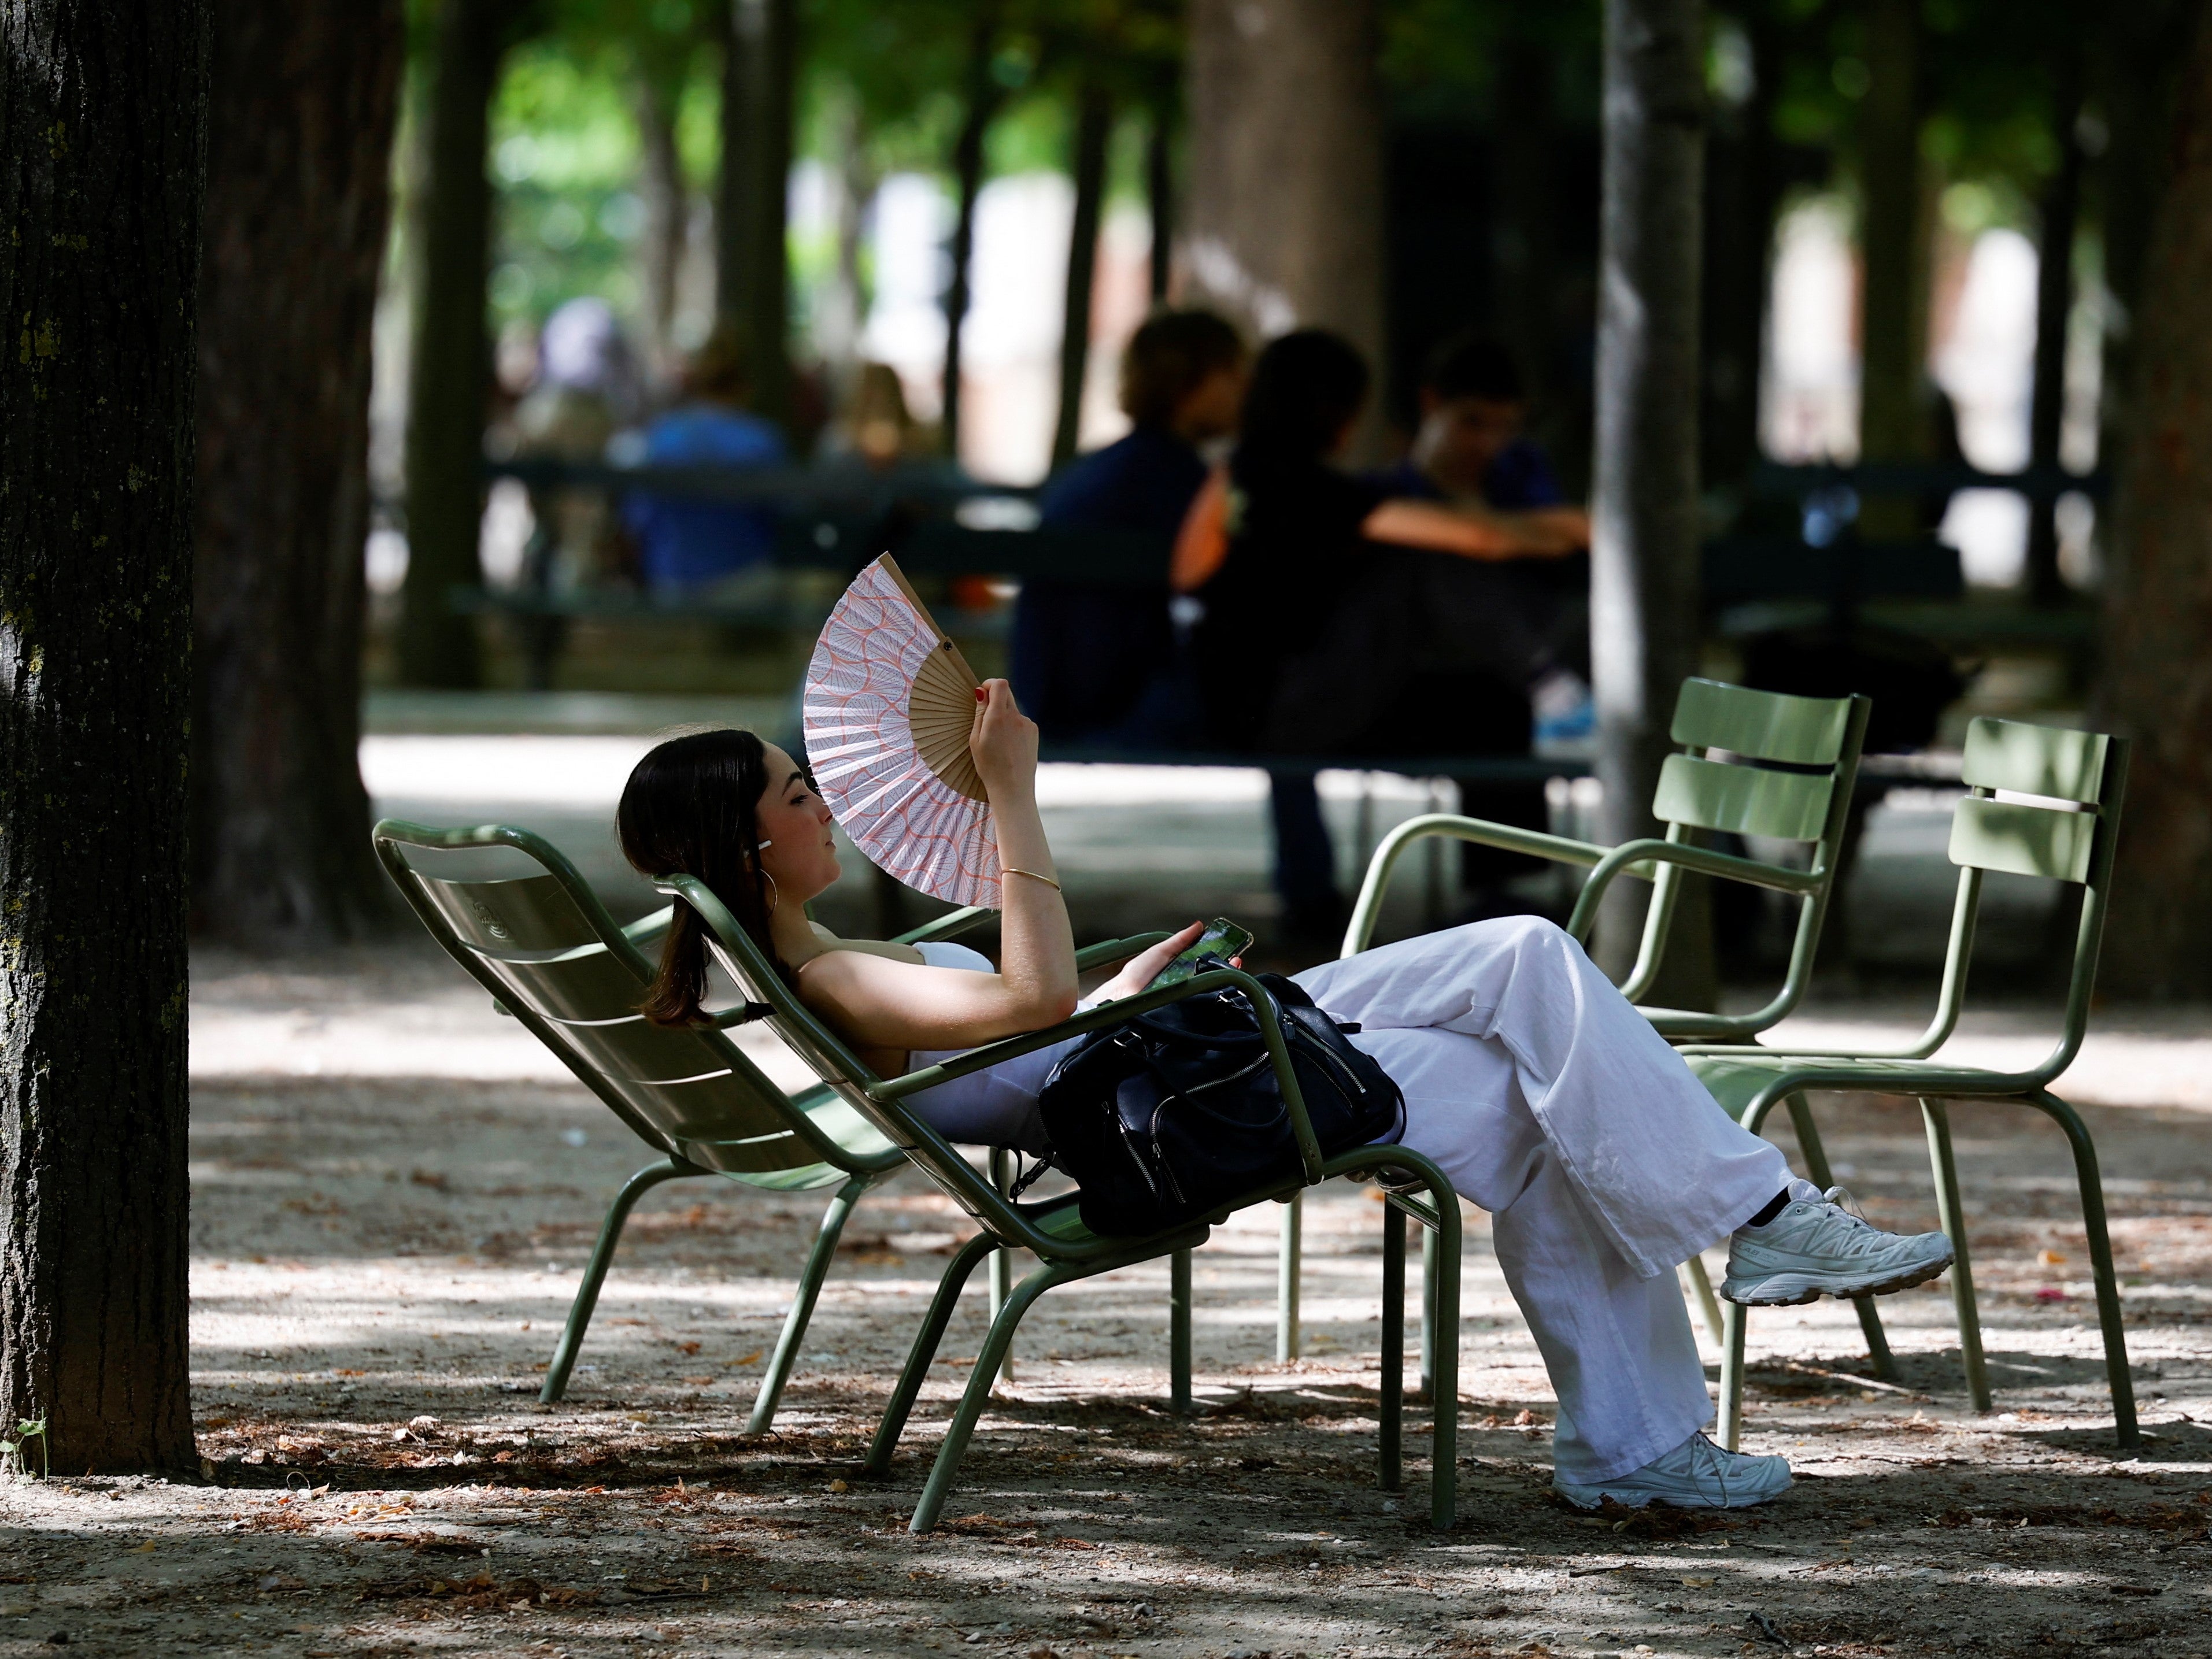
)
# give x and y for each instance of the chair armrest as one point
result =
(1702, 860)
(1559, 849)
(950, 924)
(651, 926)
(1110, 950)
(1113, 1013)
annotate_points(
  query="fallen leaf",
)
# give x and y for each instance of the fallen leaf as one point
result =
(1696, 1582)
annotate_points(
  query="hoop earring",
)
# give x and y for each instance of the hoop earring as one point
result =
(775, 893)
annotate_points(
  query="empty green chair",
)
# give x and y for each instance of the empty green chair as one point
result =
(1754, 763)
(1053, 1229)
(2065, 832)
(545, 948)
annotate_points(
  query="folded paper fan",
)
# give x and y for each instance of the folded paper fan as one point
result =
(886, 713)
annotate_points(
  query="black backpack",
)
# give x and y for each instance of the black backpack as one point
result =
(1173, 1114)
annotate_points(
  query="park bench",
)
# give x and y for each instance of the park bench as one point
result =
(1051, 1228)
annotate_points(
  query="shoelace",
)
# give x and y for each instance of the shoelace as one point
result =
(1705, 1456)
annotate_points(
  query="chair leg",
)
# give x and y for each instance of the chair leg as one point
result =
(1179, 1330)
(1816, 1165)
(595, 1271)
(977, 1395)
(1952, 1215)
(1729, 1430)
(1288, 1268)
(924, 1350)
(802, 1302)
(1444, 1374)
(1002, 1264)
(1390, 1475)
(1709, 1305)
(1428, 1315)
(2100, 1263)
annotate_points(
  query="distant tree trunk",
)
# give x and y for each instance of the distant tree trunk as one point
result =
(449, 377)
(668, 219)
(1160, 194)
(753, 282)
(1643, 567)
(2054, 305)
(1525, 245)
(982, 97)
(1284, 223)
(1743, 197)
(840, 315)
(297, 198)
(1893, 325)
(2158, 586)
(1094, 125)
(2140, 52)
(103, 114)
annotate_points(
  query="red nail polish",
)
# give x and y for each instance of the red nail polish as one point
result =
(982, 695)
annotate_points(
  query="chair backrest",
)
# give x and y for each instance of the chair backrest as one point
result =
(1756, 763)
(834, 1062)
(548, 951)
(2042, 801)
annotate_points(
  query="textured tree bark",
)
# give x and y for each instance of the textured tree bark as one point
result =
(1094, 125)
(2140, 54)
(1283, 224)
(103, 150)
(981, 98)
(2054, 303)
(305, 95)
(450, 375)
(2158, 588)
(667, 213)
(1743, 195)
(1643, 505)
(752, 278)
(1894, 325)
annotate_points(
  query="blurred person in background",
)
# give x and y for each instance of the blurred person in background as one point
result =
(1314, 638)
(1095, 662)
(585, 387)
(687, 542)
(877, 426)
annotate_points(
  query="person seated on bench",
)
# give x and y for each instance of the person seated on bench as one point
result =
(1314, 630)
(1546, 1099)
(686, 543)
(1095, 663)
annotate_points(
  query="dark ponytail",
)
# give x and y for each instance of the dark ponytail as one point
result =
(692, 808)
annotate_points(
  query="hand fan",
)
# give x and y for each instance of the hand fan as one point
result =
(886, 713)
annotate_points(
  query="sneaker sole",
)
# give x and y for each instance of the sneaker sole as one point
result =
(1794, 1290)
(1593, 1498)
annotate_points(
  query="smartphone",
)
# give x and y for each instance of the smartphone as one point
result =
(1222, 937)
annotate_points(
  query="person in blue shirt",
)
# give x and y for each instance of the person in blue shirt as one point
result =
(686, 543)
(1096, 663)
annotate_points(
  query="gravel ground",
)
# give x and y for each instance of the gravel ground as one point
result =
(383, 1256)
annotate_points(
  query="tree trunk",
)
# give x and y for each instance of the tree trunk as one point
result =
(2054, 304)
(2158, 588)
(982, 99)
(1525, 246)
(1743, 197)
(103, 108)
(449, 377)
(2140, 53)
(753, 285)
(304, 97)
(1643, 563)
(667, 218)
(1284, 224)
(1160, 194)
(1893, 240)
(1094, 125)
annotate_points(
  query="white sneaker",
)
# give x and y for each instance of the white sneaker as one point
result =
(1696, 1476)
(1816, 1246)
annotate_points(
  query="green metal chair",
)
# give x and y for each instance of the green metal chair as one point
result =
(1053, 1229)
(547, 951)
(1752, 764)
(2066, 834)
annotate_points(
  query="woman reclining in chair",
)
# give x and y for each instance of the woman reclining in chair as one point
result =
(1547, 1098)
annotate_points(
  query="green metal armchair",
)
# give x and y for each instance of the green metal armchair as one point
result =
(1053, 1229)
(2066, 832)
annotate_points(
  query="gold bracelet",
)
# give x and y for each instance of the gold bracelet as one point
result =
(1033, 876)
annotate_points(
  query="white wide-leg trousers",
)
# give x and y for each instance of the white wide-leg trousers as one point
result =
(1549, 1101)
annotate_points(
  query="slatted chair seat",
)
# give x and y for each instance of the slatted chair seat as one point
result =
(1053, 1229)
(2041, 802)
(545, 948)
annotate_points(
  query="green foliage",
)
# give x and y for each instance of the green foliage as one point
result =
(15, 1463)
